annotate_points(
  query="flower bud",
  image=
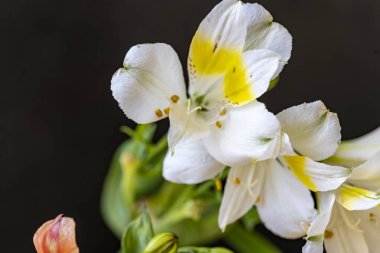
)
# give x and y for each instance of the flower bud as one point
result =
(162, 243)
(56, 235)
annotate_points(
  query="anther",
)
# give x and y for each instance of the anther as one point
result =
(258, 199)
(372, 218)
(174, 98)
(166, 111)
(223, 112)
(158, 113)
(218, 124)
(237, 181)
(329, 234)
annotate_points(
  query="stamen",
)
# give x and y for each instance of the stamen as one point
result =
(218, 124)
(166, 111)
(223, 112)
(174, 98)
(195, 109)
(158, 113)
(237, 181)
(249, 187)
(349, 224)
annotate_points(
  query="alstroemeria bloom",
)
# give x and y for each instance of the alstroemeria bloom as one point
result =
(235, 53)
(353, 152)
(56, 235)
(280, 187)
(348, 219)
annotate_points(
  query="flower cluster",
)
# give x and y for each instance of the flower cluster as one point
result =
(275, 160)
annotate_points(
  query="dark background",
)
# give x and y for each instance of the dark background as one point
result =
(59, 124)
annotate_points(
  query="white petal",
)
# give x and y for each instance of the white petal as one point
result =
(216, 45)
(248, 133)
(184, 124)
(260, 66)
(316, 231)
(367, 175)
(215, 64)
(286, 146)
(241, 191)
(313, 130)
(343, 235)
(285, 206)
(225, 25)
(370, 225)
(356, 198)
(325, 202)
(316, 176)
(151, 75)
(263, 33)
(313, 247)
(190, 163)
(359, 150)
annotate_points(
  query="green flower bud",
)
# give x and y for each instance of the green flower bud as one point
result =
(162, 243)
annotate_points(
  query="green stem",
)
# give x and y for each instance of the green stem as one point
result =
(158, 148)
(248, 241)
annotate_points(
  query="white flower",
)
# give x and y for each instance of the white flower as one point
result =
(348, 219)
(235, 53)
(279, 187)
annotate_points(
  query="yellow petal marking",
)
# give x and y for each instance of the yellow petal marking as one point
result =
(349, 195)
(297, 165)
(209, 58)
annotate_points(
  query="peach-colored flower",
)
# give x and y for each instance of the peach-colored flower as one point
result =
(56, 236)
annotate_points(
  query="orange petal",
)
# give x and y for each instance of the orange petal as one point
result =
(56, 236)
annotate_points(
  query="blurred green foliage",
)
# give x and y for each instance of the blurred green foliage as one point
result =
(134, 183)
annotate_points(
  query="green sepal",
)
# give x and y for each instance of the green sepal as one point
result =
(135, 171)
(137, 235)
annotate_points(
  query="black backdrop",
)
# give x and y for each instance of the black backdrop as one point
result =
(59, 124)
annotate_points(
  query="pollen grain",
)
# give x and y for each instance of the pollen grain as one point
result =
(329, 234)
(174, 98)
(167, 111)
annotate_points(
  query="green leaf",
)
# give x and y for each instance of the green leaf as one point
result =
(137, 235)
(203, 250)
(115, 210)
(244, 241)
